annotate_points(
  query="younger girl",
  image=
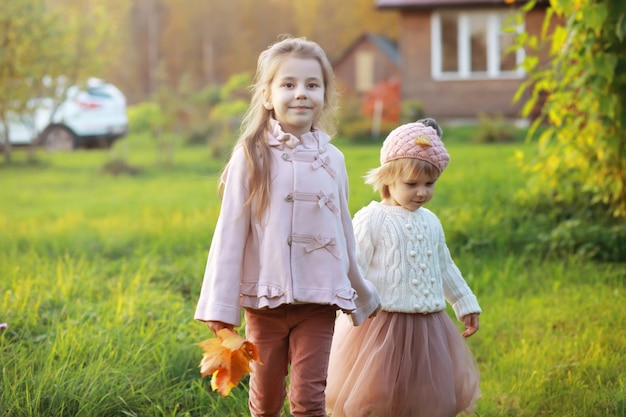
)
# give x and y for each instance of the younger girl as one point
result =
(409, 361)
(283, 247)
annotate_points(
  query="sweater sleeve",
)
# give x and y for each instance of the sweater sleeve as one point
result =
(364, 242)
(455, 289)
(219, 295)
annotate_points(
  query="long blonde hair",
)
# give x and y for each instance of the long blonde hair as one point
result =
(256, 121)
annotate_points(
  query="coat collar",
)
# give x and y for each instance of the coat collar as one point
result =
(309, 140)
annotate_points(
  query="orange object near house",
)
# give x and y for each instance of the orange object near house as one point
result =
(388, 95)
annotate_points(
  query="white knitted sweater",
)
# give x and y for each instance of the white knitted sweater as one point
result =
(404, 254)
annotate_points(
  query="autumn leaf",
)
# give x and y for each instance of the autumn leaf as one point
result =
(227, 358)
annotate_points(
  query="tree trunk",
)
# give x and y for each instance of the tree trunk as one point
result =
(6, 149)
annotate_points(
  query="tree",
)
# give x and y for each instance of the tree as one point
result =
(581, 162)
(209, 41)
(26, 46)
(46, 47)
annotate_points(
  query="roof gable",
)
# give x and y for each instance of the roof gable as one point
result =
(386, 45)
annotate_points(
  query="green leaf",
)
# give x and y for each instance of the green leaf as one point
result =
(620, 27)
(595, 16)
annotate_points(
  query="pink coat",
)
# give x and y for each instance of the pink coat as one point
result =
(301, 251)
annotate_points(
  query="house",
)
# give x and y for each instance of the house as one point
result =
(369, 60)
(455, 56)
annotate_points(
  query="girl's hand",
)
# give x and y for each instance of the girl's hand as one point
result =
(375, 313)
(215, 326)
(471, 324)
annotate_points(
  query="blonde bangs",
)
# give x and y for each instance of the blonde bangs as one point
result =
(380, 178)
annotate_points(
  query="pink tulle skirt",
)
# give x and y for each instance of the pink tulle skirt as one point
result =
(401, 365)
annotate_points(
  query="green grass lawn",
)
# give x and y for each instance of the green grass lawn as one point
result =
(100, 275)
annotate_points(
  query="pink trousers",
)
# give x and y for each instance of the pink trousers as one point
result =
(296, 336)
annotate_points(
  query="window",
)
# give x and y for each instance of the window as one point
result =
(473, 45)
(364, 71)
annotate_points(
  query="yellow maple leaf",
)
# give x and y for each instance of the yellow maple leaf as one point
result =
(423, 140)
(227, 358)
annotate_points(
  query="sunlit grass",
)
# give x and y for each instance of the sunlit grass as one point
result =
(549, 334)
(100, 275)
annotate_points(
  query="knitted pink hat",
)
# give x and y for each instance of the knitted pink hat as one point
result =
(415, 140)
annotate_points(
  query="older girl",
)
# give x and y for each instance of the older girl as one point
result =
(283, 247)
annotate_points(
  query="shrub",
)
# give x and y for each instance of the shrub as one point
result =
(567, 227)
(361, 131)
(581, 91)
(411, 111)
(494, 130)
(144, 117)
(357, 126)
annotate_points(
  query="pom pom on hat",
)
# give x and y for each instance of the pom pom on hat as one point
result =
(432, 123)
(418, 140)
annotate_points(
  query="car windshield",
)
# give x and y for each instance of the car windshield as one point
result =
(99, 92)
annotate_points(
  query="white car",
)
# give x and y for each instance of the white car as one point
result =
(90, 116)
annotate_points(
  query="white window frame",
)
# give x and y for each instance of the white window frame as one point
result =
(495, 20)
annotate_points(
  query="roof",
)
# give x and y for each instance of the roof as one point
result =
(441, 3)
(386, 45)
